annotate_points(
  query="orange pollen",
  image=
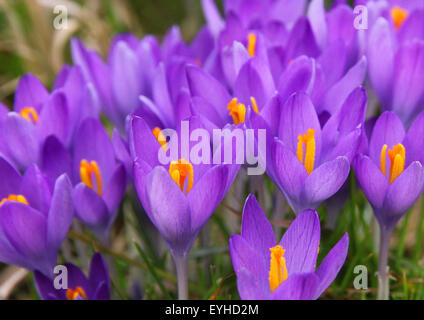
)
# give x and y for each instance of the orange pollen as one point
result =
(74, 294)
(180, 171)
(237, 111)
(399, 16)
(251, 44)
(14, 197)
(278, 269)
(307, 155)
(86, 171)
(397, 161)
(254, 104)
(29, 113)
(160, 138)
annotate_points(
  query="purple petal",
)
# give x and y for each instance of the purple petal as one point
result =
(248, 287)
(90, 208)
(372, 181)
(212, 16)
(297, 116)
(325, 181)
(403, 193)
(99, 274)
(413, 144)
(256, 229)
(297, 287)
(11, 179)
(115, 189)
(316, 15)
(30, 92)
(387, 130)
(381, 66)
(169, 210)
(61, 213)
(54, 118)
(35, 189)
(301, 242)
(331, 265)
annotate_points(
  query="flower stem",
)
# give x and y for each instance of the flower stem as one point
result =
(383, 279)
(182, 276)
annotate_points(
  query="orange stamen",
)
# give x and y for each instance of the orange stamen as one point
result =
(397, 157)
(74, 294)
(399, 16)
(160, 138)
(180, 171)
(14, 197)
(278, 269)
(237, 111)
(29, 114)
(307, 156)
(251, 44)
(86, 171)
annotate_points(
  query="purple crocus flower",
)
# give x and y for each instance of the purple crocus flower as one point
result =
(310, 164)
(391, 176)
(38, 114)
(34, 219)
(100, 180)
(79, 287)
(266, 269)
(397, 76)
(179, 197)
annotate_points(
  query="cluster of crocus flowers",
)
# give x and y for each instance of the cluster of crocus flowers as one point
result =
(285, 270)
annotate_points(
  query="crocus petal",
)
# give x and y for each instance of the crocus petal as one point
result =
(403, 193)
(413, 143)
(55, 160)
(35, 189)
(99, 274)
(54, 118)
(299, 76)
(256, 229)
(45, 288)
(30, 92)
(206, 194)
(245, 258)
(203, 85)
(90, 208)
(115, 189)
(92, 143)
(325, 181)
(213, 18)
(22, 140)
(289, 171)
(316, 15)
(408, 89)
(297, 116)
(169, 210)
(331, 265)
(301, 242)
(248, 287)
(341, 90)
(381, 66)
(372, 181)
(61, 213)
(11, 179)
(76, 278)
(25, 228)
(301, 41)
(297, 287)
(387, 130)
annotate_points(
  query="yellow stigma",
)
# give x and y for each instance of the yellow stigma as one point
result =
(254, 104)
(237, 111)
(29, 114)
(278, 269)
(251, 44)
(397, 161)
(86, 171)
(14, 197)
(307, 156)
(399, 16)
(74, 294)
(160, 137)
(180, 171)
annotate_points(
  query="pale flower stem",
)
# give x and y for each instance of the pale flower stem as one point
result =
(182, 276)
(383, 270)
